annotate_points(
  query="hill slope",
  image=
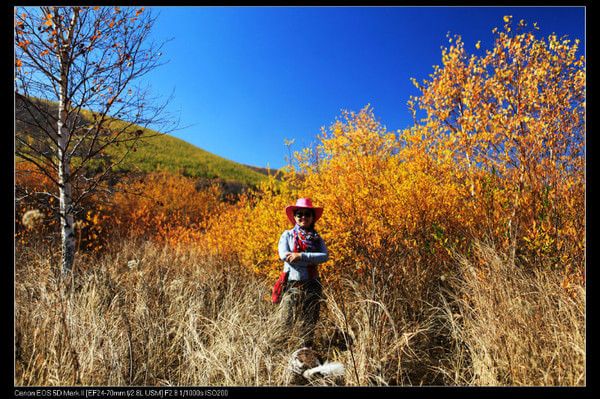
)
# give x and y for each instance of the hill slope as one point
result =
(169, 153)
(161, 152)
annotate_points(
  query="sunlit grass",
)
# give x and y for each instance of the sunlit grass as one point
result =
(147, 314)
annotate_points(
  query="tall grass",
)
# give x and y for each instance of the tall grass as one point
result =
(516, 326)
(168, 318)
(145, 314)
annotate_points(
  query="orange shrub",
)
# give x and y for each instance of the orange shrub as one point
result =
(512, 119)
(498, 156)
(29, 180)
(386, 203)
(377, 205)
(89, 221)
(248, 231)
(165, 207)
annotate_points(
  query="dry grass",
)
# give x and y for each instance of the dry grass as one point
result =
(514, 326)
(175, 317)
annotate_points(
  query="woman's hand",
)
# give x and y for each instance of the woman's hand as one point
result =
(293, 256)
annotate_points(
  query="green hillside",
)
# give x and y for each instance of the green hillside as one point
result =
(162, 152)
(168, 153)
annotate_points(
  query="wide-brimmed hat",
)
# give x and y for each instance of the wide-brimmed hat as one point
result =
(302, 203)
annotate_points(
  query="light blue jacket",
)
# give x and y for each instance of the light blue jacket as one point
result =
(298, 270)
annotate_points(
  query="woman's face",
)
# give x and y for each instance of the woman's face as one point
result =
(304, 217)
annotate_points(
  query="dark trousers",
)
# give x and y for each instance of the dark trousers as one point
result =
(301, 304)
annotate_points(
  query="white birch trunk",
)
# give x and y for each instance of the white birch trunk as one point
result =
(67, 229)
(65, 191)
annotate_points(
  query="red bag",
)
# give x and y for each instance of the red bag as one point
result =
(279, 287)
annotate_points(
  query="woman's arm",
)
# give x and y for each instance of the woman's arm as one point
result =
(283, 246)
(306, 258)
(322, 255)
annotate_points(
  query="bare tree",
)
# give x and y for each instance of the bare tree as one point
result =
(77, 95)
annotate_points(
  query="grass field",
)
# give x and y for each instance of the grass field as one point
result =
(168, 153)
(146, 314)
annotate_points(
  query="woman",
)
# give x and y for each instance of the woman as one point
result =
(302, 249)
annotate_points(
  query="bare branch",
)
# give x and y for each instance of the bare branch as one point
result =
(87, 59)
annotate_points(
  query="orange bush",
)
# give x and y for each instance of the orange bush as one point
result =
(165, 207)
(512, 119)
(248, 231)
(498, 156)
(89, 222)
(28, 180)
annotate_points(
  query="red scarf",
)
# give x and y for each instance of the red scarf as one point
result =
(307, 241)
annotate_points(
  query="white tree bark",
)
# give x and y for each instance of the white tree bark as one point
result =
(67, 230)
(65, 200)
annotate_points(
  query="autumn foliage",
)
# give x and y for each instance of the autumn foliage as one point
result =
(497, 156)
(496, 153)
(165, 208)
(456, 245)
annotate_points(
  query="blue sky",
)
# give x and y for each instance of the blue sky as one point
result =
(246, 78)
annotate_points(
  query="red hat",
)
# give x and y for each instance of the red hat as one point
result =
(304, 203)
